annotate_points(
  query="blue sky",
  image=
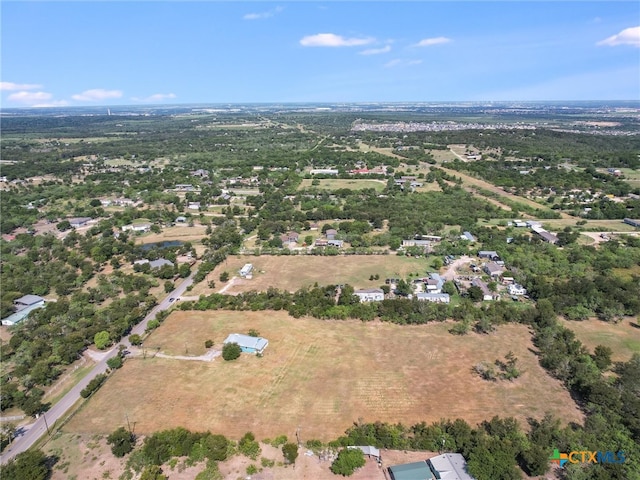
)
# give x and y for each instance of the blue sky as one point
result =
(127, 53)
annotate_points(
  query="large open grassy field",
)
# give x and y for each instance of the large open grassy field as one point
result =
(623, 338)
(320, 376)
(332, 184)
(296, 271)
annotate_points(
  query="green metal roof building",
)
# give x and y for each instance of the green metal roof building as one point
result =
(411, 471)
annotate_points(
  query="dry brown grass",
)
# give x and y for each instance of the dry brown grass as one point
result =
(321, 376)
(623, 338)
(183, 233)
(296, 271)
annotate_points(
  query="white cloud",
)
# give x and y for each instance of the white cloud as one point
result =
(29, 97)
(402, 63)
(628, 36)
(156, 97)
(333, 40)
(54, 103)
(428, 42)
(18, 86)
(262, 15)
(96, 94)
(376, 51)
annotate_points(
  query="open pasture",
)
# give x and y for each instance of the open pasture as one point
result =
(332, 184)
(320, 376)
(292, 272)
(623, 338)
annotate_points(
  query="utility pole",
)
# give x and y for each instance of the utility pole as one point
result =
(44, 415)
(128, 424)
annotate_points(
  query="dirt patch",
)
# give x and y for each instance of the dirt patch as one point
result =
(320, 376)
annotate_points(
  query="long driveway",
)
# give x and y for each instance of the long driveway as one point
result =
(29, 434)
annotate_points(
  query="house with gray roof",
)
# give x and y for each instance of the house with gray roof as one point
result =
(486, 293)
(370, 295)
(468, 236)
(449, 466)
(161, 262)
(23, 307)
(493, 269)
(433, 297)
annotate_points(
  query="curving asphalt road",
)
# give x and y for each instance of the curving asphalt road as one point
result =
(29, 434)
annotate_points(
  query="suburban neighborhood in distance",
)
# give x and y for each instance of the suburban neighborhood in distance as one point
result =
(277, 292)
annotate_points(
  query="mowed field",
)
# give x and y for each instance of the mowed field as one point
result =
(320, 376)
(292, 272)
(623, 338)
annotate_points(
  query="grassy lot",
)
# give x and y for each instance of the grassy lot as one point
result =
(182, 233)
(294, 272)
(623, 338)
(320, 376)
(332, 184)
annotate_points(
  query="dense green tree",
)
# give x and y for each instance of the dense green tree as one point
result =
(231, 351)
(29, 465)
(290, 452)
(102, 340)
(122, 441)
(602, 357)
(153, 472)
(348, 461)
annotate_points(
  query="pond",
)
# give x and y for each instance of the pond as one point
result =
(160, 245)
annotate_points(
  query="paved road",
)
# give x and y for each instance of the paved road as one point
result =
(29, 434)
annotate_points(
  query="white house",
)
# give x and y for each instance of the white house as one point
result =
(369, 295)
(246, 271)
(138, 227)
(433, 297)
(515, 289)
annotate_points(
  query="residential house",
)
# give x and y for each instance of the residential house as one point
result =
(335, 243)
(79, 222)
(193, 205)
(370, 294)
(324, 171)
(289, 237)
(23, 306)
(493, 269)
(331, 234)
(490, 254)
(247, 343)
(161, 262)
(321, 242)
(434, 283)
(468, 236)
(546, 236)
(450, 466)
(433, 297)
(246, 271)
(515, 289)
(487, 295)
(137, 227)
